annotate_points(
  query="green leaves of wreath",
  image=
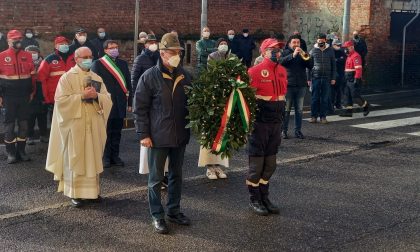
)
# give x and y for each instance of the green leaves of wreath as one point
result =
(222, 91)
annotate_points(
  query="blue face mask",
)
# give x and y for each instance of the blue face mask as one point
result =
(274, 55)
(101, 35)
(63, 48)
(86, 64)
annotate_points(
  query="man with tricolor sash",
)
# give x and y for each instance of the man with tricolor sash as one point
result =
(269, 79)
(116, 76)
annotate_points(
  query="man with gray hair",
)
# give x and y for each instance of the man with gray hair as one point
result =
(78, 131)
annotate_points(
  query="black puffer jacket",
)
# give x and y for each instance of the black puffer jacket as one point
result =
(144, 61)
(296, 68)
(160, 106)
(324, 63)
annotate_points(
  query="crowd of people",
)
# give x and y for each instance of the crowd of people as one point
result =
(85, 90)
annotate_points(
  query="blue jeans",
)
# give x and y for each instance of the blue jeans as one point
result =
(320, 97)
(156, 159)
(295, 97)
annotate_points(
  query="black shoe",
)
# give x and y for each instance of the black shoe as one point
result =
(179, 219)
(284, 134)
(273, 209)
(95, 201)
(258, 208)
(106, 163)
(298, 134)
(76, 203)
(165, 183)
(366, 109)
(160, 226)
(21, 153)
(11, 153)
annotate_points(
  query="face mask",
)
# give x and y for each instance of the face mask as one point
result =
(29, 35)
(153, 47)
(101, 35)
(246, 35)
(223, 48)
(114, 52)
(63, 48)
(86, 64)
(231, 36)
(273, 56)
(206, 34)
(81, 39)
(17, 44)
(346, 51)
(321, 44)
(35, 56)
(356, 36)
(174, 61)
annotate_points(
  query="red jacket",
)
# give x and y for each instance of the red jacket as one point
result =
(270, 80)
(17, 73)
(354, 64)
(50, 71)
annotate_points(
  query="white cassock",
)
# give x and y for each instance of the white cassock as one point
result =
(78, 136)
(208, 158)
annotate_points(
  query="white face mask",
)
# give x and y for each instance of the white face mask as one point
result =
(81, 39)
(246, 35)
(223, 48)
(153, 47)
(206, 34)
(231, 36)
(35, 56)
(174, 60)
(29, 35)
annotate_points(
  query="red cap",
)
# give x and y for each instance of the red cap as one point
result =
(348, 43)
(14, 34)
(60, 39)
(271, 43)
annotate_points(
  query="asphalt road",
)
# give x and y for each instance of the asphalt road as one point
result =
(344, 188)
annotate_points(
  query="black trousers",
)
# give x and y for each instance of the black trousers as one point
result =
(38, 114)
(352, 92)
(112, 146)
(262, 149)
(16, 109)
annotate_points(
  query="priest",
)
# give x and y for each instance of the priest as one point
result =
(78, 131)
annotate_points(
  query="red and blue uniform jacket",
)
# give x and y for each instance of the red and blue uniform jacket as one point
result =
(17, 74)
(50, 71)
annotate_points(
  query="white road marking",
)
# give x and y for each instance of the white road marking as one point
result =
(389, 124)
(385, 112)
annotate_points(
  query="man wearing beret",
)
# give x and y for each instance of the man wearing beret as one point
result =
(270, 80)
(53, 67)
(353, 75)
(17, 88)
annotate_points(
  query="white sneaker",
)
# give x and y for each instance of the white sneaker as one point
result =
(220, 173)
(211, 174)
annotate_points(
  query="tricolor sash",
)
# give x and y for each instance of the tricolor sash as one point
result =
(236, 98)
(115, 71)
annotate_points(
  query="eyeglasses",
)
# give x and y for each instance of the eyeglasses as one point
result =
(275, 50)
(85, 57)
(112, 47)
(172, 52)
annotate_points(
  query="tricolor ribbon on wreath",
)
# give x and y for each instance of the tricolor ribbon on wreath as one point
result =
(236, 99)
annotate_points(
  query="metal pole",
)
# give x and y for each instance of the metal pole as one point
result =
(136, 27)
(403, 43)
(203, 14)
(346, 20)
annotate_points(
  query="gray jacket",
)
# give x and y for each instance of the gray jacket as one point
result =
(324, 63)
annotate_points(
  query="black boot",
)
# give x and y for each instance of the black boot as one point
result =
(366, 109)
(255, 201)
(11, 153)
(266, 202)
(21, 153)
